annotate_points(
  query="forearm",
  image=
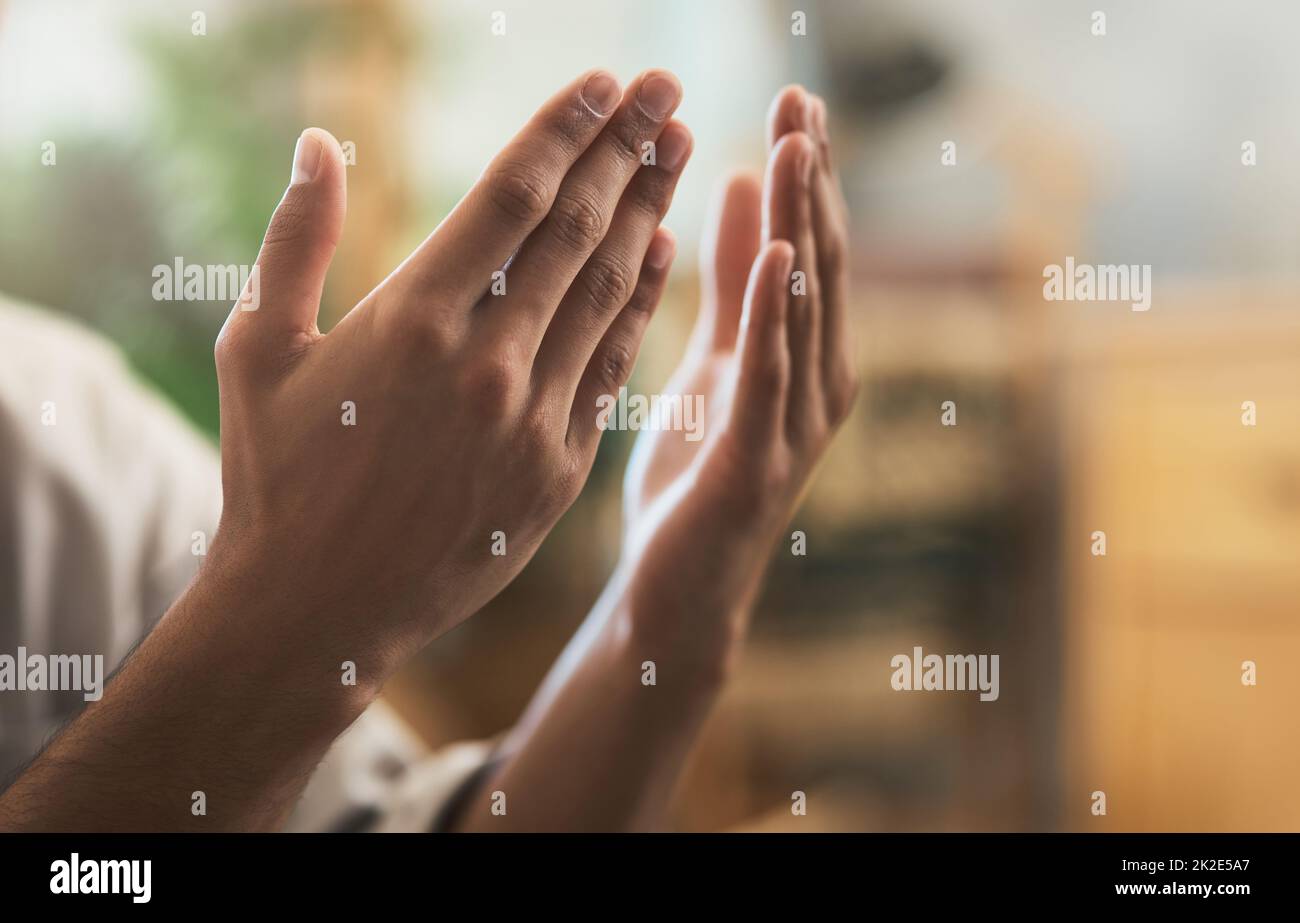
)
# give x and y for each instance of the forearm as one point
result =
(202, 706)
(598, 748)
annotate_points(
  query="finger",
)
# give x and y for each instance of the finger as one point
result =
(515, 192)
(787, 113)
(831, 230)
(610, 275)
(611, 365)
(820, 129)
(758, 408)
(795, 109)
(727, 253)
(282, 298)
(815, 126)
(584, 206)
(788, 216)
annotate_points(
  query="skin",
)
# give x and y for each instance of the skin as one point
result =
(474, 414)
(324, 551)
(596, 749)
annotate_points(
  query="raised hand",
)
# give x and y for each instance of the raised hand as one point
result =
(377, 467)
(772, 354)
(371, 473)
(600, 748)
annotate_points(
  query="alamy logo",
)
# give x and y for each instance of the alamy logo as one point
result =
(103, 876)
(214, 282)
(946, 672)
(1098, 283)
(682, 412)
(53, 673)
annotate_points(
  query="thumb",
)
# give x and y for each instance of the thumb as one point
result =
(727, 252)
(284, 290)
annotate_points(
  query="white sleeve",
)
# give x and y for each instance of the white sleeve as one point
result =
(379, 777)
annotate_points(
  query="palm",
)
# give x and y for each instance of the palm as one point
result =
(662, 457)
(662, 460)
(775, 368)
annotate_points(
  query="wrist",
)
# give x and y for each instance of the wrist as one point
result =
(202, 706)
(263, 637)
(695, 637)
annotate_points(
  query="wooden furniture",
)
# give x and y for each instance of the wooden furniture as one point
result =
(1202, 571)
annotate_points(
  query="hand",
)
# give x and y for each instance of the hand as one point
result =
(778, 376)
(367, 471)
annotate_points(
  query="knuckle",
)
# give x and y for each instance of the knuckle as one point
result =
(519, 191)
(572, 126)
(538, 428)
(625, 137)
(408, 327)
(577, 221)
(644, 299)
(771, 375)
(616, 363)
(833, 255)
(650, 197)
(424, 333)
(566, 480)
(488, 385)
(765, 382)
(608, 281)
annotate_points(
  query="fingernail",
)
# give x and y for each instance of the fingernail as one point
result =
(658, 95)
(601, 94)
(306, 158)
(672, 148)
(661, 251)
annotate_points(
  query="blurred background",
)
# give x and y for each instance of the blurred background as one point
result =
(1119, 673)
